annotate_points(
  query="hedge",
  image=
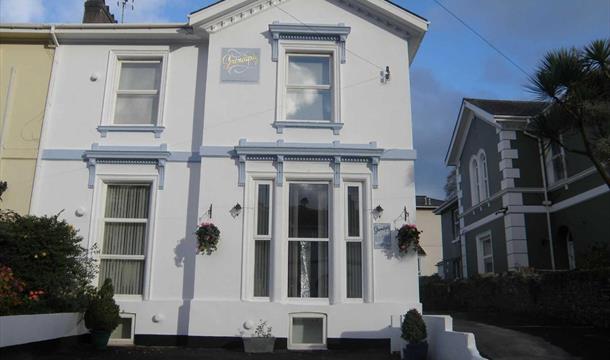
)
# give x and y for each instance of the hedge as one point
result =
(578, 297)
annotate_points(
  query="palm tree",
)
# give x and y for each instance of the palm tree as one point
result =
(576, 84)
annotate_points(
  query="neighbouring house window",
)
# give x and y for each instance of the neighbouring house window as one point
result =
(485, 252)
(307, 332)
(309, 87)
(483, 177)
(479, 179)
(308, 236)
(125, 229)
(262, 239)
(474, 181)
(354, 241)
(555, 163)
(137, 92)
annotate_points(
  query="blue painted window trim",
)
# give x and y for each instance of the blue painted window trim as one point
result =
(135, 155)
(105, 129)
(313, 32)
(281, 125)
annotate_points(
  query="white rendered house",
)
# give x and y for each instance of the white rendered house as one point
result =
(286, 123)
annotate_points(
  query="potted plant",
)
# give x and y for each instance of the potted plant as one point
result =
(414, 332)
(208, 236)
(262, 341)
(408, 238)
(102, 315)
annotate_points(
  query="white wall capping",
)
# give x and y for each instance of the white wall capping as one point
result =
(25, 329)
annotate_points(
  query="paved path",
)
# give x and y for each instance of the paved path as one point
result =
(497, 343)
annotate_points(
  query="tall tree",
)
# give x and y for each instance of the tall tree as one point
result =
(576, 83)
(451, 185)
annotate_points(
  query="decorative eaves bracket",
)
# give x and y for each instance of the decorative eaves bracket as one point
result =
(136, 155)
(335, 153)
(313, 32)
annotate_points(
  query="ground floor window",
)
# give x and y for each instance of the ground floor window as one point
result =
(307, 331)
(262, 238)
(485, 253)
(125, 229)
(123, 334)
(354, 211)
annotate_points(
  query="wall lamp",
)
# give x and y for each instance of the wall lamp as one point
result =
(236, 210)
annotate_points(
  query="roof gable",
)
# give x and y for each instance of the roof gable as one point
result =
(383, 13)
(501, 114)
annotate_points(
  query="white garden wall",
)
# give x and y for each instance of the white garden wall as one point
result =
(446, 344)
(25, 329)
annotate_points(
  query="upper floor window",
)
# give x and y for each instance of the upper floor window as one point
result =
(479, 179)
(309, 86)
(555, 163)
(485, 253)
(137, 92)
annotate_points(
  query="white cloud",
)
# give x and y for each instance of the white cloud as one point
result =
(21, 11)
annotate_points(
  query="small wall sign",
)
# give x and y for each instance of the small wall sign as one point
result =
(240, 65)
(383, 235)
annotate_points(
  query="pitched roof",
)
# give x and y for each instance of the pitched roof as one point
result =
(450, 203)
(509, 107)
(425, 202)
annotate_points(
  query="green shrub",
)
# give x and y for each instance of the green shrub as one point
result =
(413, 327)
(102, 312)
(45, 254)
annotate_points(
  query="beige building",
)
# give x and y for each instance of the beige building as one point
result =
(431, 238)
(25, 71)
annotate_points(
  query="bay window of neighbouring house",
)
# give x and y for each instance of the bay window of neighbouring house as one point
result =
(137, 91)
(308, 238)
(262, 238)
(555, 163)
(309, 87)
(354, 240)
(124, 233)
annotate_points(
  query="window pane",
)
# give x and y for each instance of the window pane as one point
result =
(309, 105)
(261, 268)
(558, 169)
(489, 266)
(262, 214)
(486, 247)
(126, 275)
(354, 270)
(123, 331)
(308, 211)
(307, 331)
(136, 109)
(140, 76)
(353, 211)
(309, 70)
(124, 239)
(125, 201)
(308, 269)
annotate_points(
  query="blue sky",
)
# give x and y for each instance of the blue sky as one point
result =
(452, 62)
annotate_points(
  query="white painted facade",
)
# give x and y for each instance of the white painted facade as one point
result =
(191, 159)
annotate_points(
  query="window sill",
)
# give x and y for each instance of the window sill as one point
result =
(281, 125)
(104, 130)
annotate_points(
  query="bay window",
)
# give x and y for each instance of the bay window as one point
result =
(125, 230)
(308, 237)
(354, 241)
(262, 239)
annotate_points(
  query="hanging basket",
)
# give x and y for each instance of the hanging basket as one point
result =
(408, 239)
(208, 236)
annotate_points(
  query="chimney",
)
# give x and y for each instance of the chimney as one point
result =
(96, 11)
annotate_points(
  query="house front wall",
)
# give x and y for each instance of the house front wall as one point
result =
(196, 177)
(25, 70)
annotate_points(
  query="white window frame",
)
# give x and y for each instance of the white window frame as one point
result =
(321, 346)
(308, 48)
(257, 237)
(357, 239)
(288, 239)
(96, 233)
(480, 238)
(116, 57)
(131, 340)
(483, 176)
(549, 157)
(474, 180)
